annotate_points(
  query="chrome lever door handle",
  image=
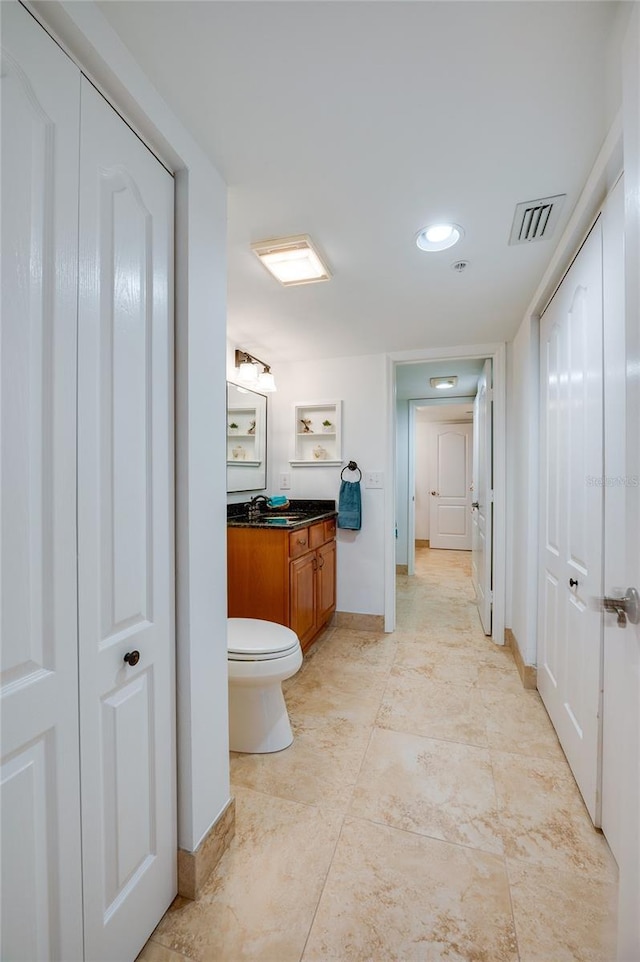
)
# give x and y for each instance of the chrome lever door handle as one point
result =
(626, 608)
(475, 504)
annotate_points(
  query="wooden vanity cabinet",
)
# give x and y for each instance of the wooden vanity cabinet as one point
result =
(284, 576)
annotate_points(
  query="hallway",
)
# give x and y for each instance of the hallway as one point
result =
(425, 810)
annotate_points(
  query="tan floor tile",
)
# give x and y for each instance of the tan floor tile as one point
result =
(518, 722)
(261, 899)
(562, 916)
(351, 676)
(319, 768)
(393, 896)
(154, 952)
(350, 661)
(439, 662)
(313, 703)
(421, 706)
(503, 680)
(437, 618)
(542, 817)
(436, 788)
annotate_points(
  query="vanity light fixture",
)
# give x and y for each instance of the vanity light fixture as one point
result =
(292, 260)
(444, 383)
(249, 372)
(438, 237)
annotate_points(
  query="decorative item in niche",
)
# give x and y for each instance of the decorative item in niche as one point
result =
(306, 426)
(233, 427)
(252, 427)
(320, 453)
(238, 453)
(327, 426)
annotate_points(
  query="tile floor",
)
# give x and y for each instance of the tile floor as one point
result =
(425, 810)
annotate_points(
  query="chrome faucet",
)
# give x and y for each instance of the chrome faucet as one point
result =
(253, 506)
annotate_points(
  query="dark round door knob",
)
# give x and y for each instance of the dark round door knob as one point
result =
(132, 658)
(573, 582)
(475, 504)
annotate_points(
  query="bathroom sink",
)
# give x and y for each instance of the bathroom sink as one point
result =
(281, 519)
(277, 520)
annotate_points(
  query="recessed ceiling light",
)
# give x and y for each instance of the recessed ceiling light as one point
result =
(443, 383)
(292, 260)
(438, 237)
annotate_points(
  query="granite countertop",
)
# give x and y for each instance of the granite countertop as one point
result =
(297, 514)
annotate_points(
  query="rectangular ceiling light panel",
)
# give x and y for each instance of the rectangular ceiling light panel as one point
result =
(292, 260)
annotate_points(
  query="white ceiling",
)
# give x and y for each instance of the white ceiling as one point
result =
(359, 123)
(445, 413)
(412, 380)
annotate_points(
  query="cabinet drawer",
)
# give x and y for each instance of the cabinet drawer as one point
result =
(299, 542)
(316, 535)
(322, 532)
(329, 529)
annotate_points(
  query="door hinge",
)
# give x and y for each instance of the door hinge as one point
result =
(491, 497)
(491, 597)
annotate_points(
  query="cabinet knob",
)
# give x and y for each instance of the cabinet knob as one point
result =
(132, 658)
(302, 540)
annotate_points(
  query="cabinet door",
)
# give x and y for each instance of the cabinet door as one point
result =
(325, 582)
(40, 797)
(302, 593)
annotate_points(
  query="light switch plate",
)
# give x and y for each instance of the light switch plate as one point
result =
(285, 481)
(374, 479)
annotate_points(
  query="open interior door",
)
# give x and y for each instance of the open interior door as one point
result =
(482, 508)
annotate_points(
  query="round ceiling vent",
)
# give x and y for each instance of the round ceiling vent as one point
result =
(459, 266)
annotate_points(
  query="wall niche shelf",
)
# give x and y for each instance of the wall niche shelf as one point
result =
(243, 444)
(316, 443)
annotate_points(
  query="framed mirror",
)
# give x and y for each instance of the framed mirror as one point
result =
(246, 439)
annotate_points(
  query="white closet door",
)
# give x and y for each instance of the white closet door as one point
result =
(571, 516)
(40, 799)
(125, 534)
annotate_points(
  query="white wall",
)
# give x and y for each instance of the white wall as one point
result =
(360, 383)
(201, 649)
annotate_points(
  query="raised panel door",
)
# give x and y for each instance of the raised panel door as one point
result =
(482, 515)
(125, 534)
(570, 635)
(40, 793)
(450, 501)
(302, 575)
(325, 583)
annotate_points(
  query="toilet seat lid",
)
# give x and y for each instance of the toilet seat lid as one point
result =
(253, 636)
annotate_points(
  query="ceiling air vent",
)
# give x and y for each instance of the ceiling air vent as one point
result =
(459, 266)
(536, 220)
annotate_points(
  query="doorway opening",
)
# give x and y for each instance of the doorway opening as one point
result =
(410, 373)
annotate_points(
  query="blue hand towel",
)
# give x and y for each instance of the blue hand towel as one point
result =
(350, 505)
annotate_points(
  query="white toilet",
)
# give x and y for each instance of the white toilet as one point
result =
(261, 655)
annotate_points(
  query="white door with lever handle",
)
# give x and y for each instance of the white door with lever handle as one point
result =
(449, 509)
